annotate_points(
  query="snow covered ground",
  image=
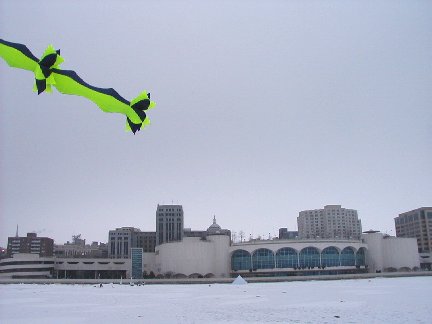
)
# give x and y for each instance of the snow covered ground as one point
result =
(380, 300)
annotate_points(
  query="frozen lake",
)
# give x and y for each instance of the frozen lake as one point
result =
(379, 300)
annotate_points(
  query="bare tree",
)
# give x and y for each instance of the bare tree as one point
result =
(241, 233)
(233, 237)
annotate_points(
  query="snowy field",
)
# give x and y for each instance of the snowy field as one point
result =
(380, 300)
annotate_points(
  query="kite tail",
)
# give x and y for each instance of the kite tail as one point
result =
(139, 119)
(133, 127)
(130, 126)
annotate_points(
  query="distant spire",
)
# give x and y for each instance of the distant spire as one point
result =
(16, 234)
(214, 219)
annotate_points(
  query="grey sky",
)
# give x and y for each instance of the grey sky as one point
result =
(264, 108)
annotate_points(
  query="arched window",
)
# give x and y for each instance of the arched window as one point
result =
(263, 259)
(330, 257)
(241, 260)
(360, 257)
(347, 257)
(309, 257)
(286, 258)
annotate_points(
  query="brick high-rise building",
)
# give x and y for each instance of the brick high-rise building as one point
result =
(44, 246)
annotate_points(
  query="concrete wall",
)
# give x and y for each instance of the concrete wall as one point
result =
(95, 264)
(390, 252)
(26, 265)
(374, 255)
(194, 256)
(149, 262)
(400, 253)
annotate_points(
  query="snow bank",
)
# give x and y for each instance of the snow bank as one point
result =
(239, 281)
(395, 300)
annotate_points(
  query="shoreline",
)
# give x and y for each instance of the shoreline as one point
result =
(215, 280)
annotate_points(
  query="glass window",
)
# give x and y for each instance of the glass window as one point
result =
(330, 257)
(360, 257)
(286, 258)
(347, 257)
(241, 260)
(309, 257)
(263, 259)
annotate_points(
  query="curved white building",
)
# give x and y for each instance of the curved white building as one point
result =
(194, 257)
(287, 257)
(217, 257)
(27, 265)
(388, 253)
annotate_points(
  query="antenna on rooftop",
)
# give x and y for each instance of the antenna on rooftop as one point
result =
(16, 234)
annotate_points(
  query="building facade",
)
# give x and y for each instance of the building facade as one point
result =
(284, 234)
(169, 223)
(297, 257)
(145, 240)
(70, 250)
(27, 265)
(3, 253)
(417, 224)
(120, 242)
(390, 254)
(44, 246)
(137, 263)
(331, 222)
(79, 249)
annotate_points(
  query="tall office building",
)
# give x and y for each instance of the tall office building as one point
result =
(44, 246)
(169, 223)
(416, 223)
(123, 239)
(331, 222)
(120, 242)
(145, 240)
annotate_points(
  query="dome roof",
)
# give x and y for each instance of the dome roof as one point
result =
(214, 228)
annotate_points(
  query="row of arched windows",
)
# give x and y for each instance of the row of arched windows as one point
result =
(290, 258)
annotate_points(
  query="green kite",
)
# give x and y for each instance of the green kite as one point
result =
(48, 74)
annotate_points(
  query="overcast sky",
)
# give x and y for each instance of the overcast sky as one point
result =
(264, 109)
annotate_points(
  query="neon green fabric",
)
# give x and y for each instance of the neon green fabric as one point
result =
(50, 50)
(48, 74)
(14, 58)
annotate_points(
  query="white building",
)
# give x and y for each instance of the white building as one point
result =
(27, 265)
(387, 253)
(332, 222)
(194, 257)
(215, 256)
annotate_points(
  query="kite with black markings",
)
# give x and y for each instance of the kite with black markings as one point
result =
(47, 74)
